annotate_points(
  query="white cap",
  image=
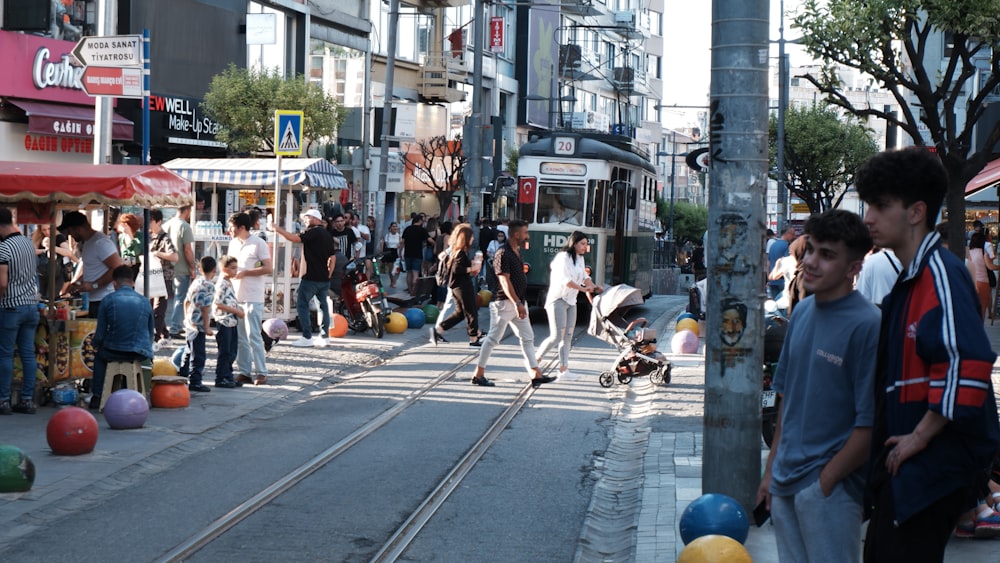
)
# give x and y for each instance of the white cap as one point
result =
(312, 213)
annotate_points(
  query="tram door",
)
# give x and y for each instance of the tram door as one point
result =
(619, 211)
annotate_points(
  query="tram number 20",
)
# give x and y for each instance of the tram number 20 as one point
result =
(565, 146)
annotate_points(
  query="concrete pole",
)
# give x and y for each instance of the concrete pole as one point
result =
(107, 16)
(735, 253)
(473, 145)
(782, 107)
(390, 74)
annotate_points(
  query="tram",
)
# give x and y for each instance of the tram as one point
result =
(600, 184)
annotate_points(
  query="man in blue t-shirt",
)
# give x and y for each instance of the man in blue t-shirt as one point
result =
(813, 481)
(777, 250)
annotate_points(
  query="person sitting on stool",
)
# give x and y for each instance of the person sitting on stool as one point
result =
(124, 330)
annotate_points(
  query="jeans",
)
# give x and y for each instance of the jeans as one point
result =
(193, 361)
(307, 290)
(176, 319)
(101, 360)
(228, 340)
(562, 320)
(503, 313)
(17, 330)
(811, 527)
(160, 317)
(251, 346)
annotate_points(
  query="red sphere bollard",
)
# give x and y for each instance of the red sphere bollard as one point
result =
(72, 431)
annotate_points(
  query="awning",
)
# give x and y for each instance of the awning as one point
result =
(312, 172)
(82, 184)
(988, 177)
(67, 120)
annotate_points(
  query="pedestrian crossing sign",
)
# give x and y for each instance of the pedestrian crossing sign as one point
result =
(287, 132)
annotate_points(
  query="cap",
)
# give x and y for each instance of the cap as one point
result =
(313, 213)
(73, 219)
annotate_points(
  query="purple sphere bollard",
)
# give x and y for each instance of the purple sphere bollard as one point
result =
(126, 409)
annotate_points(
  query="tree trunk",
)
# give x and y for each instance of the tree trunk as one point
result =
(444, 201)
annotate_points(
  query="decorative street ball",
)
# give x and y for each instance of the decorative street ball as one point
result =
(714, 549)
(163, 366)
(126, 409)
(431, 313)
(338, 326)
(415, 318)
(17, 471)
(170, 392)
(177, 358)
(484, 297)
(684, 342)
(396, 323)
(276, 329)
(686, 316)
(714, 513)
(688, 324)
(72, 431)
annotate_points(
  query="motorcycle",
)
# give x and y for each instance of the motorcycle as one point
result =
(775, 327)
(362, 300)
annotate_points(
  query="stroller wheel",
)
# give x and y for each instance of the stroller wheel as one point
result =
(607, 379)
(661, 376)
(624, 379)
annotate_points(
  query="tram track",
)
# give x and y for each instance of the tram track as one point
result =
(408, 531)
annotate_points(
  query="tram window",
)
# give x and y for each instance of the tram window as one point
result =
(597, 203)
(562, 204)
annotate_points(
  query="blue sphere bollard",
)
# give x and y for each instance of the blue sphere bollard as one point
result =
(714, 513)
(415, 318)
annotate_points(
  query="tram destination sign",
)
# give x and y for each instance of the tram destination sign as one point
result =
(110, 51)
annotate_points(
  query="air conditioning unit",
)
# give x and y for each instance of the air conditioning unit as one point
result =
(625, 17)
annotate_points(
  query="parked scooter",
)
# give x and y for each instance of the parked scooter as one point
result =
(362, 300)
(775, 327)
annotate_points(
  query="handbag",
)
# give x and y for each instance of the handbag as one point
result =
(157, 284)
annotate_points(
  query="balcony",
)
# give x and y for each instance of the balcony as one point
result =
(439, 77)
(630, 24)
(575, 63)
(581, 7)
(421, 5)
(630, 82)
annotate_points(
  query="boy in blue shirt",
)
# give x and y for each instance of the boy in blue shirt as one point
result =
(197, 321)
(227, 314)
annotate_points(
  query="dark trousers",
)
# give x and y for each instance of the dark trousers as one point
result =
(193, 362)
(160, 318)
(227, 338)
(922, 537)
(466, 307)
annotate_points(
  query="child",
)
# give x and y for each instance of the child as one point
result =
(197, 318)
(227, 311)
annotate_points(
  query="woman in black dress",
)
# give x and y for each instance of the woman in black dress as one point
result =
(462, 271)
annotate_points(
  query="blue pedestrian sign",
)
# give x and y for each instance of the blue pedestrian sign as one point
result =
(287, 133)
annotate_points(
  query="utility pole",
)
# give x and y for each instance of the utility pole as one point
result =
(473, 145)
(106, 25)
(782, 106)
(390, 73)
(735, 253)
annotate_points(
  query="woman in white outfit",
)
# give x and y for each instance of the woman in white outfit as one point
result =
(568, 276)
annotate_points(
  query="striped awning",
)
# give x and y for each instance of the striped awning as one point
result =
(311, 172)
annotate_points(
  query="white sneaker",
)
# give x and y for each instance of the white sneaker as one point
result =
(303, 343)
(319, 342)
(568, 376)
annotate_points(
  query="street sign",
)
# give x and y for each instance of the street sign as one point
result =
(110, 51)
(287, 132)
(110, 81)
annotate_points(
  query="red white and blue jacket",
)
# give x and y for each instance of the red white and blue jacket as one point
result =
(934, 355)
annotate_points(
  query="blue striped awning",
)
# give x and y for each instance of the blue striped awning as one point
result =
(311, 172)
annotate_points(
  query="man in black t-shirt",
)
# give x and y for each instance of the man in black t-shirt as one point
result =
(317, 248)
(338, 229)
(414, 238)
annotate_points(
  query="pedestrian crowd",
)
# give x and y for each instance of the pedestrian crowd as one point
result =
(887, 410)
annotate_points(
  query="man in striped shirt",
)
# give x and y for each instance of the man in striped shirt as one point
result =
(18, 313)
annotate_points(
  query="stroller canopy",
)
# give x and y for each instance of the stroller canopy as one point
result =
(612, 304)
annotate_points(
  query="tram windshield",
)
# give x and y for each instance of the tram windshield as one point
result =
(561, 204)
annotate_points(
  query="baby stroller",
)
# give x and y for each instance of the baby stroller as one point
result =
(636, 343)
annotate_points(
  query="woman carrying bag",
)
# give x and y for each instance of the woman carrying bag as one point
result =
(568, 277)
(462, 269)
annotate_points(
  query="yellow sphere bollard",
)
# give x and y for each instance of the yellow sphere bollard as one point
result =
(714, 549)
(688, 324)
(396, 323)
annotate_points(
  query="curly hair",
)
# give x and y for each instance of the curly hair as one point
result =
(840, 225)
(131, 220)
(912, 174)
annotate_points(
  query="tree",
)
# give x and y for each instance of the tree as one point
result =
(822, 152)
(898, 43)
(690, 220)
(243, 102)
(438, 164)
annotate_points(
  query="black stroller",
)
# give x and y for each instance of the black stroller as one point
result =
(636, 343)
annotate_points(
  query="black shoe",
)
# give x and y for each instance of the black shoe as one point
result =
(95, 402)
(177, 335)
(538, 381)
(5, 408)
(435, 337)
(226, 384)
(477, 342)
(482, 381)
(25, 407)
(199, 388)
(236, 383)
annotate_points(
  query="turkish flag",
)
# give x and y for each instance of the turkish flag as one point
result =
(527, 186)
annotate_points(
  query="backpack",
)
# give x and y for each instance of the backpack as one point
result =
(443, 273)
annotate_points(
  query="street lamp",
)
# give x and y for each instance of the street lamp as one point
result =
(673, 174)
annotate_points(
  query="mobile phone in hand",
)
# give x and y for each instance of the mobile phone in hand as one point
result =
(761, 513)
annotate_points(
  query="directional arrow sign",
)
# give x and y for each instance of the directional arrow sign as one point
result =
(109, 81)
(110, 50)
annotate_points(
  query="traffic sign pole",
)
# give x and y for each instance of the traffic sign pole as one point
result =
(145, 98)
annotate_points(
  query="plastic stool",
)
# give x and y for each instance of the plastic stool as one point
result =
(131, 377)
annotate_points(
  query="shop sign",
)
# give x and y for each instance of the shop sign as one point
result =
(49, 143)
(184, 124)
(496, 34)
(40, 68)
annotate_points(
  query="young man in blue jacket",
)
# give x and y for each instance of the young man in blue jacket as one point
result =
(935, 428)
